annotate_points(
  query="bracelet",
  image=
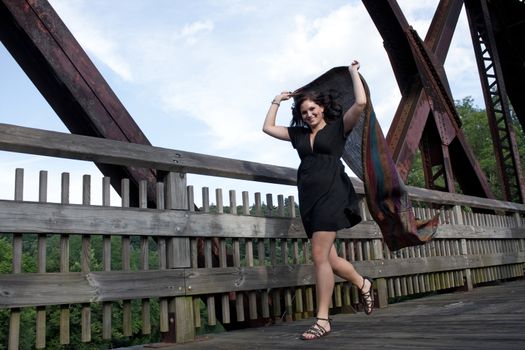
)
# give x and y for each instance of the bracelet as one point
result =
(275, 103)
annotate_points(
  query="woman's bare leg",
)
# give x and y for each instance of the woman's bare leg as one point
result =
(344, 269)
(322, 242)
(326, 263)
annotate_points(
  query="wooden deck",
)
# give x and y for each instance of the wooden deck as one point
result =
(490, 317)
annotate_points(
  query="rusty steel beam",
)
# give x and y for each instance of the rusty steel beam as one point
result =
(508, 18)
(418, 67)
(55, 62)
(508, 162)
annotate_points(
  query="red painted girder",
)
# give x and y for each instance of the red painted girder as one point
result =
(43, 46)
(411, 116)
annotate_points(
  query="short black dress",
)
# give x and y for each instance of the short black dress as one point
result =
(327, 199)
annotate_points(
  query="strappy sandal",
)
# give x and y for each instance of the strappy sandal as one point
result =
(317, 330)
(368, 297)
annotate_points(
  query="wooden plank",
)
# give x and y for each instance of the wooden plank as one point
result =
(184, 312)
(14, 317)
(452, 320)
(208, 263)
(34, 141)
(75, 287)
(64, 263)
(106, 266)
(178, 257)
(41, 262)
(85, 321)
(31, 217)
(75, 219)
(161, 247)
(49, 143)
(126, 261)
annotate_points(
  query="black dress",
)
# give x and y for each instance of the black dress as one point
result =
(327, 199)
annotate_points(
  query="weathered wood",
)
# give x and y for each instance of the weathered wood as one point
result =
(452, 320)
(208, 263)
(28, 217)
(161, 247)
(49, 143)
(106, 262)
(41, 263)
(126, 261)
(493, 251)
(64, 262)
(14, 317)
(184, 312)
(34, 289)
(194, 258)
(85, 322)
(179, 256)
(27, 140)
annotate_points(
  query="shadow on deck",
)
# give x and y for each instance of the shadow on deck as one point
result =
(490, 317)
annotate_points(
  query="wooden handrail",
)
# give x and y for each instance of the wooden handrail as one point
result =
(56, 144)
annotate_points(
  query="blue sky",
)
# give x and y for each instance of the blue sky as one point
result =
(199, 76)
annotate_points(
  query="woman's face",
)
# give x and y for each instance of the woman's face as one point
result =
(312, 113)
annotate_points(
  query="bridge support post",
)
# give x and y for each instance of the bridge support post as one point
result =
(518, 219)
(380, 283)
(458, 220)
(178, 256)
(519, 223)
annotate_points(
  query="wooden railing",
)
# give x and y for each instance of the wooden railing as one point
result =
(251, 264)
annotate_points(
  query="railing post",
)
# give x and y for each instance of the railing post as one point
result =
(458, 220)
(519, 223)
(180, 308)
(377, 254)
(14, 320)
(381, 285)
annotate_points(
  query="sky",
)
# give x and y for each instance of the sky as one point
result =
(199, 76)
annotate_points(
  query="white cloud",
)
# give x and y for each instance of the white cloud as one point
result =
(218, 66)
(190, 31)
(220, 69)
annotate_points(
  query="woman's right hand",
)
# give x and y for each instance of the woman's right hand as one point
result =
(283, 96)
(269, 127)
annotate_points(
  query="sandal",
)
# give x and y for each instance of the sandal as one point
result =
(317, 330)
(368, 297)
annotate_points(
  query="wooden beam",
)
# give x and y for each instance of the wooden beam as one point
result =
(49, 143)
(66, 77)
(51, 218)
(39, 289)
(56, 144)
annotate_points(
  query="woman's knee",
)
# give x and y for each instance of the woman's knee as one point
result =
(319, 256)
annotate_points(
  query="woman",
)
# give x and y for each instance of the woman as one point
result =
(327, 200)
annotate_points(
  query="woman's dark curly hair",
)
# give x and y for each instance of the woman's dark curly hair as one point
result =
(332, 110)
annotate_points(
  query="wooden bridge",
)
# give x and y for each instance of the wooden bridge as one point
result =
(249, 264)
(156, 269)
(492, 317)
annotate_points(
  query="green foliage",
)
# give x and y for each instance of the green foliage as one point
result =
(95, 252)
(28, 315)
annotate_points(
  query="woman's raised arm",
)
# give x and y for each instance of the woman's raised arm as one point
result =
(269, 127)
(351, 116)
